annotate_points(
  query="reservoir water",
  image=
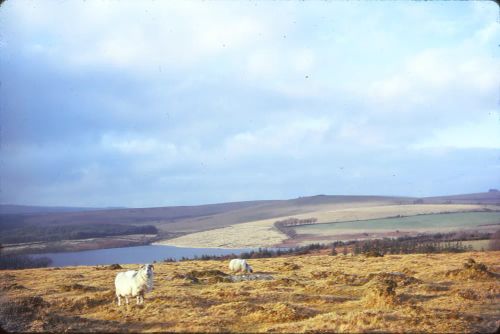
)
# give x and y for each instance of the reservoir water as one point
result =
(130, 255)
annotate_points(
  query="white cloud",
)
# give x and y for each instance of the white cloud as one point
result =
(303, 60)
(489, 33)
(215, 35)
(292, 138)
(202, 92)
(140, 36)
(483, 133)
(137, 145)
(453, 78)
(361, 134)
(263, 63)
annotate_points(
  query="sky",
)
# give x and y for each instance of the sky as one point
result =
(159, 103)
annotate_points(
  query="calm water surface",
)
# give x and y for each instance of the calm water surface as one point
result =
(129, 255)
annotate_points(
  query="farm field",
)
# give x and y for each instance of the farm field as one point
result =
(170, 221)
(224, 225)
(478, 245)
(262, 233)
(421, 223)
(389, 211)
(395, 293)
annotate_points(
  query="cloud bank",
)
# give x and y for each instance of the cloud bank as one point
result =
(175, 103)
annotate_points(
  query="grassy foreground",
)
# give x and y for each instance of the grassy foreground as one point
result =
(396, 293)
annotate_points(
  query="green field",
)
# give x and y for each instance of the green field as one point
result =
(477, 245)
(432, 222)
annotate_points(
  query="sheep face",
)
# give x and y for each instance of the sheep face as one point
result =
(148, 268)
(249, 268)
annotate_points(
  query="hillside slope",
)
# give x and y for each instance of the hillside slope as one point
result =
(237, 219)
(194, 218)
(11, 209)
(397, 293)
(203, 217)
(263, 233)
(492, 197)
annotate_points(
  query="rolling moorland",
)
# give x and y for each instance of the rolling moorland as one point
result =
(315, 292)
(229, 225)
(264, 233)
(445, 293)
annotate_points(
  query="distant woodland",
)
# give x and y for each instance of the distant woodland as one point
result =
(12, 231)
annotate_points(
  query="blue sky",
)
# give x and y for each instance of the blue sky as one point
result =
(116, 103)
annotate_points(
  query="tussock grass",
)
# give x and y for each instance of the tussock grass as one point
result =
(307, 293)
(382, 295)
(471, 270)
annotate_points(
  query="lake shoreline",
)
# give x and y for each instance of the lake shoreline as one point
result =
(299, 240)
(133, 255)
(78, 245)
(82, 245)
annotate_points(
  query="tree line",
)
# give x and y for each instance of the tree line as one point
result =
(421, 244)
(34, 233)
(9, 261)
(285, 226)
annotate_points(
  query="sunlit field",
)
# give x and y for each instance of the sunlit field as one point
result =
(397, 293)
(415, 223)
(262, 233)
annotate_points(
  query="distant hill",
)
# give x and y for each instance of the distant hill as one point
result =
(492, 197)
(10, 209)
(188, 219)
(185, 218)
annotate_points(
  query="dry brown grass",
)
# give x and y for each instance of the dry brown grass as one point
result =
(395, 293)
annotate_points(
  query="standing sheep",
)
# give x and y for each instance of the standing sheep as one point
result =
(134, 283)
(240, 265)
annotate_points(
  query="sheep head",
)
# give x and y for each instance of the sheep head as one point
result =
(148, 268)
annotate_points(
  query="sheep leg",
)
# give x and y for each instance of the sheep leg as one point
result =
(126, 300)
(119, 300)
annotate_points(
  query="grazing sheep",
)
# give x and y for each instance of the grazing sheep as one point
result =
(240, 265)
(134, 283)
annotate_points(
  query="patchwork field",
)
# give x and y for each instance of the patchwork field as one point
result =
(234, 225)
(478, 245)
(262, 233)
(398, 293)
(421, 223)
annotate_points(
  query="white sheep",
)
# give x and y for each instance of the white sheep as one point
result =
(134, 283)
(240, 265)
